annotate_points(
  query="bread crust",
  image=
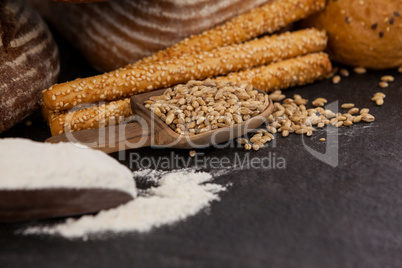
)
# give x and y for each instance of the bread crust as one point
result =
(363, 33)
(29, 61)
(261, 20)
(132, 80)
(119, 32)
(96, 116)
(297, 71)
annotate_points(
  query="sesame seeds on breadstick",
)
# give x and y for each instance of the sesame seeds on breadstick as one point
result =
(136, 79)
(280, 75)
(265, 19)
(298, 71)
(96, 116)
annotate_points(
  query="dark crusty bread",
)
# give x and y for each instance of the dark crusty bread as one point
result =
(115, 33)
(29, 61)
(362, 33)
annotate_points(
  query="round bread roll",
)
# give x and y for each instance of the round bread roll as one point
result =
(29, 61)
(119, 32)
(366, 33)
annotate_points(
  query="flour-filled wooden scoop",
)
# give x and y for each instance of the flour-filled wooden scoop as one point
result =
(41, 180)
(24, 204)
(150, 128)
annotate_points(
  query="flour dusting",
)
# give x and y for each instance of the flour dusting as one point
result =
(179, 194)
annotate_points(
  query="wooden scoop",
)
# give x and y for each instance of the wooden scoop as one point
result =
(149, 130)
(23, 205)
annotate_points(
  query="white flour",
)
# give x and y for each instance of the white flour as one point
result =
(180, 194)
(29, 165)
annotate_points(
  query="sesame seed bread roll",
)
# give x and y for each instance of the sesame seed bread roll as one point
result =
(96, 116)
(363, 33)
(265, 19)
(126, 82)
(298, 71)
(29, 61)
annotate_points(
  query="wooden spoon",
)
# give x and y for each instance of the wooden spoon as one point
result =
(23, 205)
(152, 131)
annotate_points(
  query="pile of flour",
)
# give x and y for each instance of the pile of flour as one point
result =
(29, 165)
(179, 194)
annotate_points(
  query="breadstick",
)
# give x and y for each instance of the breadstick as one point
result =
(284, 74)
(265, 19)
(46, 113)
(96, 116)
(129, 81)
(280, 75)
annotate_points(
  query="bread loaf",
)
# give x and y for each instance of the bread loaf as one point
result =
(29, 61)
(119, 32)
(115, 33)
(363, 33)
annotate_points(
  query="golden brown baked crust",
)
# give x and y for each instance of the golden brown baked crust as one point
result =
(363, 33)
(115, 33)
(119, 32)
(297, 71)
(262, 20)
(28, 61)
(96, 116)
(136, 79)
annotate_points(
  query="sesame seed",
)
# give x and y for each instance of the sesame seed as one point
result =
(322, 139)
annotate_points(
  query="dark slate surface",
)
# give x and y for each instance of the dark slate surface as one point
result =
(308, 214)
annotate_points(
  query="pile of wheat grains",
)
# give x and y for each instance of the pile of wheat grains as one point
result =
(200, 106)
